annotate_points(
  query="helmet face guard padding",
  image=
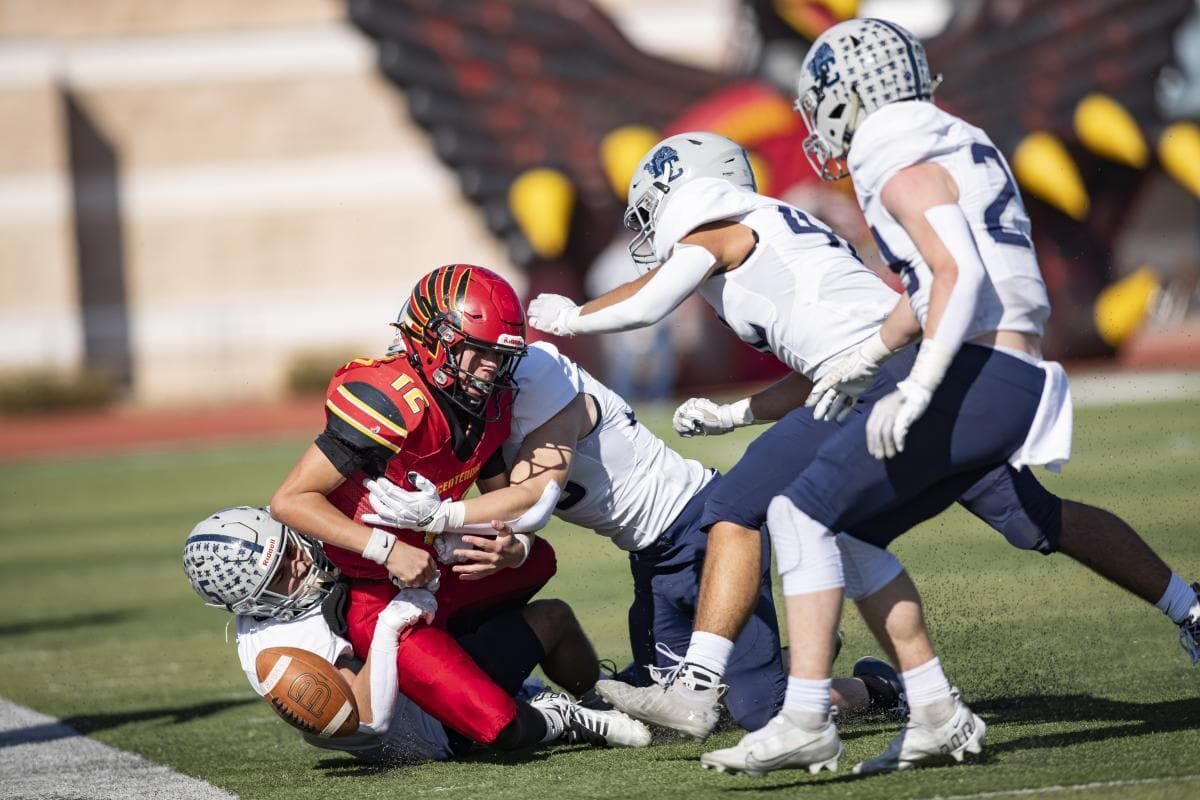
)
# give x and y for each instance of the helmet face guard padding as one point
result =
(459, 306)
(852, 70)
(670, 164)
(232, 558)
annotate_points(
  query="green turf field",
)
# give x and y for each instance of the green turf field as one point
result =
(1078, 682)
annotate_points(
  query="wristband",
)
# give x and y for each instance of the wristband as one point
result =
(874, 350)
(931, 364)
(456, 514)
(740, 413)
(527, 542)
(379, 547)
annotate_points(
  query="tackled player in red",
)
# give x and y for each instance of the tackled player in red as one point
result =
(438, 405)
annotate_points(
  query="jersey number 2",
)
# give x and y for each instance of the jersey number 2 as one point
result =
(980, 153)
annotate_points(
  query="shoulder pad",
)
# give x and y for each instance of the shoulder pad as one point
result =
(894, 137)
(697, 203)
(379, 401)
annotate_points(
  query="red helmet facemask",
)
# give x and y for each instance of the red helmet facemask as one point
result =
(456, 307)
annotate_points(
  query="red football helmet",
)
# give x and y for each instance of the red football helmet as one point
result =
(457, 306)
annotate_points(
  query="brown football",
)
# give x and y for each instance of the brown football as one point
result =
(307, 691)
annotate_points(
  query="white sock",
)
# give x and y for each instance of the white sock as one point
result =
(1177, 600)
(925, 685)
(710, 651)
(808, 696)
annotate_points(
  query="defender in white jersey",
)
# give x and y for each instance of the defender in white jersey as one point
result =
(284, 593)
(626, 484)
(786, 284)
(945, 213)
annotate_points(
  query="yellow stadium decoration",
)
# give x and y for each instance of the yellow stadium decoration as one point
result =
(1179, 152)
(1107, 129)
(542, 200)
(621, 150)
(1121, 308)
(810, 18)
(762, 173)
(1044, 167)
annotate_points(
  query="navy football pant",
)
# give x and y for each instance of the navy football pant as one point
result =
(1011, 501)
(959, 448)
(666, 580)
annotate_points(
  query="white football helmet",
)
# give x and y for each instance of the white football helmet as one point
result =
(671, 163)
(231, 558)
(851, 70)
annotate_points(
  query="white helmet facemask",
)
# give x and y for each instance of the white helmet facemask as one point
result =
(232, 558)
(852, 70)
(673, 162)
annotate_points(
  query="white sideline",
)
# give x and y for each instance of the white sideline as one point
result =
(1072, 787)
(40, 757)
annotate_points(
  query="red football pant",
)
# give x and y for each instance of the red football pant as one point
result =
(433, 671)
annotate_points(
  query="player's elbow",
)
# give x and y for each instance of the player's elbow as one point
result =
(285, 505)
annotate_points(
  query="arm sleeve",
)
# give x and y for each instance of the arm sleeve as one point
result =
(534, 519)
(951, 226)
(683, 272)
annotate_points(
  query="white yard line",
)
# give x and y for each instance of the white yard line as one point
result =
(41, 757)
(1074, 787)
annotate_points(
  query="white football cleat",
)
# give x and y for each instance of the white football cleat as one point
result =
(783, 743)
(962, 733)
(677, 700)
(1189, 630)
(604, 728)
(677, 705)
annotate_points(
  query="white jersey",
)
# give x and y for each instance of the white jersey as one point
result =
(1013, 295)
(625, 483)
(413, 734)
(802, 294)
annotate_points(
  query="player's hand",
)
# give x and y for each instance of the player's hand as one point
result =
(893, 415)
(700, 416)
(553, 314)
(833, 396)
(406, 608)
(411, 566)
(490, 554)
(421, 510)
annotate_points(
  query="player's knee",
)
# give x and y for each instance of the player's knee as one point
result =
(867, 568)
(1038, 526)
(806, 551)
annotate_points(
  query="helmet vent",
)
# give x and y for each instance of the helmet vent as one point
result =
(837, 111)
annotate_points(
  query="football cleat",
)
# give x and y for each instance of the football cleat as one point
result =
(783, 743)
(962, 733)
(679, 699)
(604, 729)
(884, 686)
(1189, 629)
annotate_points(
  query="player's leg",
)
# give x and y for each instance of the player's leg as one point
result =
(730, 584)
(509, 644)
(459, 601)
(432, 670)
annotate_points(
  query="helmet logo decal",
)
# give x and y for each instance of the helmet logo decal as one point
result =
(665, 161)
(510, 340)
(823, 66)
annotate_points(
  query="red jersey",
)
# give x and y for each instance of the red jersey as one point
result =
(383, 419)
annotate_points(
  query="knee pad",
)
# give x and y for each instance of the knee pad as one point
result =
(1020, 509)
(866, 568)
(805, 550)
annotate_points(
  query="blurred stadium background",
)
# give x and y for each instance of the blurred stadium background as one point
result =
(209, 202)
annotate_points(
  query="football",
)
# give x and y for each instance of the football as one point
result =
(307, 691)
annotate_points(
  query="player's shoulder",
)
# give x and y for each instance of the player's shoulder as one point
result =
(700, 202)
(387, 396)
(898, 136)
(546, 381)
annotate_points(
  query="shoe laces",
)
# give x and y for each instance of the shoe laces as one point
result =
(665, 676)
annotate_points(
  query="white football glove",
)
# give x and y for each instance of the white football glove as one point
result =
(406, 608)
(833, 396)
(553, 314)
(422, 510)
(700, 416)
(446, 544)
(893, 415)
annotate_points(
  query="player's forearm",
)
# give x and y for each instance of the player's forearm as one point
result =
(611, 298)
(901, 327)
(775, 401)
(525, 507)
(655, 295)
(312, 514)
